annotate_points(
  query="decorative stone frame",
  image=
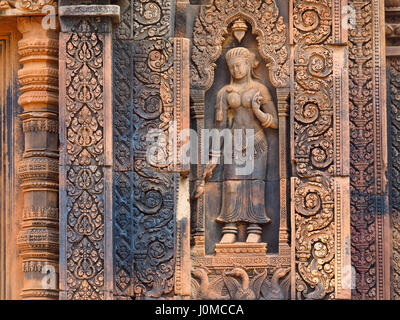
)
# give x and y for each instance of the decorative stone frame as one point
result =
(272, 39)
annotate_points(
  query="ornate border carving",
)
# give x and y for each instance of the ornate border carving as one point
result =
(319, 211)
(147, 67)
(394, 105)
(86, 159)
(368, 152)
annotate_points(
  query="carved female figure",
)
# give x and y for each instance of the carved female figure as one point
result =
(243, 104)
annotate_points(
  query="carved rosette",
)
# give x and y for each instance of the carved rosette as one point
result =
(38, 240)
(313, 218)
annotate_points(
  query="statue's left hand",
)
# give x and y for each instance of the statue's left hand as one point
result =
(257, 101)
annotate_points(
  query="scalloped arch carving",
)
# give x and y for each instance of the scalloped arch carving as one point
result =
(211, 29)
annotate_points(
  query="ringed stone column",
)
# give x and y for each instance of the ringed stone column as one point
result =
(38, 240)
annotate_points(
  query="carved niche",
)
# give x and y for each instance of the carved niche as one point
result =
(239, 267)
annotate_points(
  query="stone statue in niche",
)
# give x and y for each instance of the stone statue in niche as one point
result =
(243, 104)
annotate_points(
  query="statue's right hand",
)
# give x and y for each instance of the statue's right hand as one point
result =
(209, 171)
(198, 190)
(200, 185)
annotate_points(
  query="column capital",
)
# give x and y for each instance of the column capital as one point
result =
(100, 15)
(93, 10)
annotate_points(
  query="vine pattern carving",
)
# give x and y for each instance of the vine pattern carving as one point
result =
(313, 150)
(394, 68)
(85, 158)
(145, 19)
(365, 162)
(144, 195)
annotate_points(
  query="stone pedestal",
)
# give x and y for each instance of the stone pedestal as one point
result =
(241, 248)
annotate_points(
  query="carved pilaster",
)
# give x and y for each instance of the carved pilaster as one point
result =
(320, 201)
(394, 108)
(38, 240)
(86, 152)
(197, 113)
(283, 114)
(392, 16)
(368, 153)
(149, 230)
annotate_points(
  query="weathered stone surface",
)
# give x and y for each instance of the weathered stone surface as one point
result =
(38, 240)
(316, 218)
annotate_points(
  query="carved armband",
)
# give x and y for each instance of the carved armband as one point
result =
(267, 120)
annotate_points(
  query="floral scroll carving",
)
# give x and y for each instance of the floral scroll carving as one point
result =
(313, 150)
(144, 193)
(85, 158)
(394, 67)
(367, 149)
(145, 19)
(211, 28)
(151, 18)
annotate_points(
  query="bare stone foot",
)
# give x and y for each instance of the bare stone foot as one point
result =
(228, 238)
(253, 238)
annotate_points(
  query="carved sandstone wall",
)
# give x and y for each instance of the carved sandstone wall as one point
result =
(119, 70)
(32, 171)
